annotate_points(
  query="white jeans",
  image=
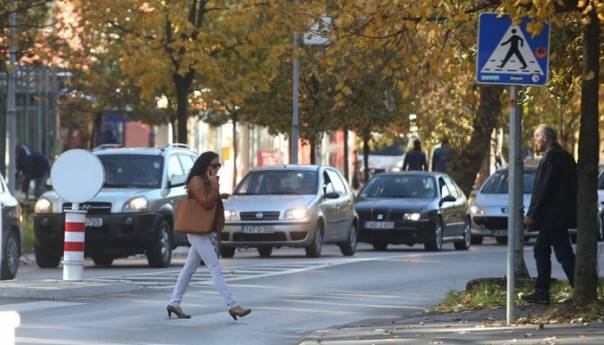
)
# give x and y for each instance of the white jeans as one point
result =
(201, 248)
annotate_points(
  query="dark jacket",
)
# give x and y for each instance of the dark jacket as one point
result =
(415, 160)
(440, 159)
(554, 198)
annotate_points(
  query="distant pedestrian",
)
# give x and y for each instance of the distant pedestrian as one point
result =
(415, 159)
(33, 166)
(202, 184)
(442, 156)
(553, 210)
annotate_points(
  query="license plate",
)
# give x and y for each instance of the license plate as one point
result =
(500, 232)
(94, 222)
(257, 229)
(379, 225)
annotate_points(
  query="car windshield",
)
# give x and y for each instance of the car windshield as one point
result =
(284, 182)
(498, 183)
(132, 171)
(400, 186)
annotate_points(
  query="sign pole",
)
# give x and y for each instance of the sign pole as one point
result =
(73, 247)
(515, 174)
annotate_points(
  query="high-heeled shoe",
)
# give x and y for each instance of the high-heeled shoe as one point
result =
(176, 310)
(239, 312)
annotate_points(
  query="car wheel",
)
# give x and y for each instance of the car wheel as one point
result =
(501, 240)
(380, 246)
(160, 253)
(102, 261)
(349, 247)
(465, 244)
(10, 262)
(265, 251)
(314, 249)
(227, 252)
(435, 243)
(476, 239)
(44, 259)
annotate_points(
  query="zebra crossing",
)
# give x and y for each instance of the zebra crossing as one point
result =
(166, 279)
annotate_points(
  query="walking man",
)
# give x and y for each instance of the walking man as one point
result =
(515, 41)
(553, 210)
(415, 159)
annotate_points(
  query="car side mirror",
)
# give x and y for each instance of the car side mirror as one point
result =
(332, 195)
(177, 180)
(224, 195)
(448, 198)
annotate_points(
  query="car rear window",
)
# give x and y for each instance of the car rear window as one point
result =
(498, 183)
(400, 186)
(132, 171)
(282, 182)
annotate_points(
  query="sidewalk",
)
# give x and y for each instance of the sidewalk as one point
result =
(480, 327)
(58, 289)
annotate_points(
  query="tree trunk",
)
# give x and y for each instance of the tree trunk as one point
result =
(586, 275)
(346, 170)
(183, 88)
(465, 168)
(366, 139)
(313, 153)
(234, 119)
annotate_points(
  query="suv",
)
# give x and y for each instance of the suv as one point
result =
(11, 233)
(290, 205)
(133, 213)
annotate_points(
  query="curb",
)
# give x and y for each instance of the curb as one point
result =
(59, 289)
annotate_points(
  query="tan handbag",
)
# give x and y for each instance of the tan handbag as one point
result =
(189, 217)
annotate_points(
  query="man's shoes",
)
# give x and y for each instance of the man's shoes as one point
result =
(536, 298)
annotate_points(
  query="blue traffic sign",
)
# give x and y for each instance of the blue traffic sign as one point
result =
(508, 54)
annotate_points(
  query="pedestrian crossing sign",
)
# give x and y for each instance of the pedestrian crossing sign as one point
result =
(508, 54)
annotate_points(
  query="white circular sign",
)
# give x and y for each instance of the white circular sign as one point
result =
(77, 175)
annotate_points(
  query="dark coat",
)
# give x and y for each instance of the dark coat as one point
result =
(554, 197)
(415, 160)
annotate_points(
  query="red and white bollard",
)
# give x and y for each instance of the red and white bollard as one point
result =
(73, 249)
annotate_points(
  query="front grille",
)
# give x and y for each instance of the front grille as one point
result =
(492, 223)
(91, 207)
(260, 216)
(278, 236)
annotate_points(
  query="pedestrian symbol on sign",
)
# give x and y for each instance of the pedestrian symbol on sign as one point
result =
(508, 54)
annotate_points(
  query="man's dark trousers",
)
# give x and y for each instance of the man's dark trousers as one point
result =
(560, 240)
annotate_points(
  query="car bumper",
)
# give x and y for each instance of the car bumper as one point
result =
(120, 234)
(498, 227)
(407, 232)
(277, 234)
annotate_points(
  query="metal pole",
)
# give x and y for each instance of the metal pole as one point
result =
(11, 109)
(515, 199)
(293, 157)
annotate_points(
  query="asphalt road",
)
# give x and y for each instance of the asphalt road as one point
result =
(290, 295)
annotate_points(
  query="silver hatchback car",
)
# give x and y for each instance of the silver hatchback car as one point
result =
(290, 205)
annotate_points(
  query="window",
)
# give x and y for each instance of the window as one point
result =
(187, 162)
(132, 171)
(444, 190)
(453, 188)
(283, 182)
(327, 184)
(498, 183)
(337, 183)
(400, 186)
(174, 167)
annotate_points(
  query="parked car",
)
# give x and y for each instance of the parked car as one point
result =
(601, 206)
(132, 214)
(290, 205)
(11, 233)
(413, 207)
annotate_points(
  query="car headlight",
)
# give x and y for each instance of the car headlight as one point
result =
(43, 206)
(296, 214)
(231, 216)
(414, 217)
(476, 210)
(139, 204)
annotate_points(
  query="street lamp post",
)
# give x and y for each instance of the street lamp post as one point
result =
(11, 108)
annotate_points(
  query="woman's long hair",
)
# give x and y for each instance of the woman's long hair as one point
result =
(201, 165)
